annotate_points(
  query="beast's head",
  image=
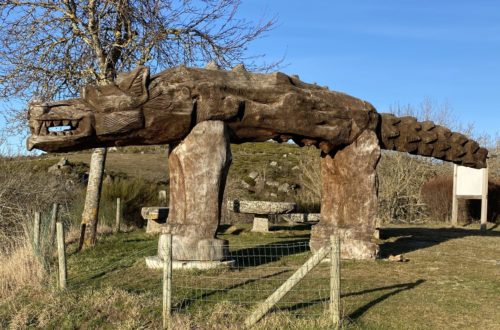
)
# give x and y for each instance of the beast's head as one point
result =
(102, 114)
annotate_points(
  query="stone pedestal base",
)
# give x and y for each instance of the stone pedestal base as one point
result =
(192, 249)
(156, 262)
(353, 244)
(153, 227)
(260, 224)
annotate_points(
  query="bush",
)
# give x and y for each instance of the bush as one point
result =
(437, 195)
(135, 193)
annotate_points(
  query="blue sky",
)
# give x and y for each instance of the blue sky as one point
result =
(393, 51)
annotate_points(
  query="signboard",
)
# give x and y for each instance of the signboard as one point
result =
(470, 183)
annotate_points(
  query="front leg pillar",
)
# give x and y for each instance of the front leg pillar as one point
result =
(349, 198)
(198, 169)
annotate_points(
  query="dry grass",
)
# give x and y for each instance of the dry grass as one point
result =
(449, 282)
(20, 268)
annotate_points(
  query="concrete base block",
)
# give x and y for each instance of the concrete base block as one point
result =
(154, 227)
(155, 262)
(260, 224)
(195, 249)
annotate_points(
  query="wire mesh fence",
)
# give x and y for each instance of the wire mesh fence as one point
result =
(256, 272)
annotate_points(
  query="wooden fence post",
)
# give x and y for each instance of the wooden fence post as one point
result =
(273, 299)
(61, 252)
(167, 279)
(53, 220)
(118, 214)
(162, 197)
(335, 280)
(36, 232)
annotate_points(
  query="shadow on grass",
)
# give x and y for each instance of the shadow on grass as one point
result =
(416, 238)
(357, 313)
(267, 253)
(299, 226)
(399, 288)
(185, 303)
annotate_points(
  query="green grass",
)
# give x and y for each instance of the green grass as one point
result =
(450, 281)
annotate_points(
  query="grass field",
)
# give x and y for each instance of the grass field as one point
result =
(451, 281)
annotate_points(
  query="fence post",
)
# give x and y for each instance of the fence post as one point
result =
(162, 197)
(276, 296)
(118, 214)
(335, 280)
(167, 278)
(53, 220)
(61, 252)
(36, 232)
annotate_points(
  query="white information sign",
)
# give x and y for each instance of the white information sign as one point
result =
(470, 181)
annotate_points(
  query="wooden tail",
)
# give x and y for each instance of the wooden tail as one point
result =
(425, 138)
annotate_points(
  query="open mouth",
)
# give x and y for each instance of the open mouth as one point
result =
(62, 127)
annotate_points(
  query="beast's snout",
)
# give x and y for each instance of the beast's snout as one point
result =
(37, 109)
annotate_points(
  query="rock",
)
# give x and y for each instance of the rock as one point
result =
(272, 183)
(349, 198)
(397, 258)
(260, 207)
(273, 195)
(284, 155)
(63, 166)
(284, 188)
(295, 168)
(260, 224)
(253, 175)
(198, 170)
(245, 185)
(273, 163)
(249, 181)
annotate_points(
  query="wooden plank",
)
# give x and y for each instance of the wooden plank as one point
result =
(118, 217)
(61, 252)
(167, 279)
(53, 220)
(484, 200)
(454, 207)
(293, 280)
(36, 232)
(335, 280)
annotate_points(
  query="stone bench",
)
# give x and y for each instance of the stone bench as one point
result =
(261, 211)
(300, 217)
(155, 217)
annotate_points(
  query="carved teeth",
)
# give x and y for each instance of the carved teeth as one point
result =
(38, 125)
(56, 123)
(52, 133)
(74, 123)
(66, 122)
(43, 128)
(60, 133)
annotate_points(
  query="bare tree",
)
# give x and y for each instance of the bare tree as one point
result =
(50, 48)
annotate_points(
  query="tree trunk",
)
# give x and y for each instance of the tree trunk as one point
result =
(92, 198)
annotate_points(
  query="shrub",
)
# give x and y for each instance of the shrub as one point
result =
(437, 195)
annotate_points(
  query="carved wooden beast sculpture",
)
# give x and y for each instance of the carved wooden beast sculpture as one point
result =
(200, 111)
